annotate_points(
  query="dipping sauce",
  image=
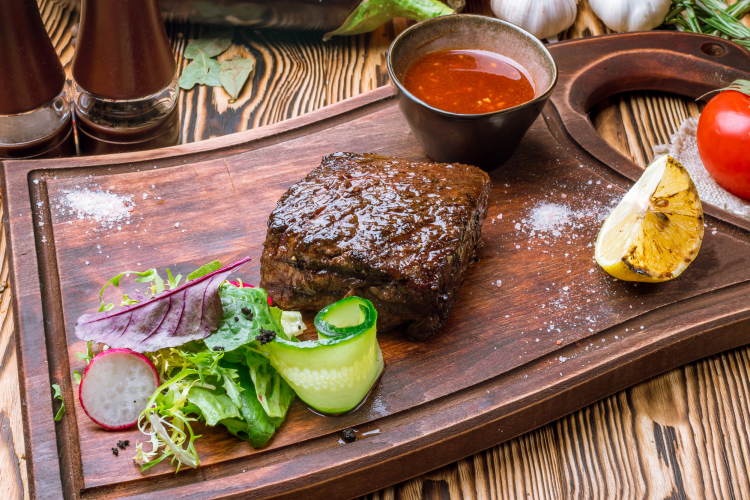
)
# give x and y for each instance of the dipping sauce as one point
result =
(468, 81)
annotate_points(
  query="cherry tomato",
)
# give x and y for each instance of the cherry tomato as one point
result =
(724, 141)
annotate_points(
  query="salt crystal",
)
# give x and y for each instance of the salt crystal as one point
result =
(565, 288)
(87, 263)
(36, 181)
(41, 223)
(177, 224)
(145, 195)
(103, 207)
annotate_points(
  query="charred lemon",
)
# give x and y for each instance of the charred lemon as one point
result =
(656, 231)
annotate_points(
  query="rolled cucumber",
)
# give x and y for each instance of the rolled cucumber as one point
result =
(334, 373)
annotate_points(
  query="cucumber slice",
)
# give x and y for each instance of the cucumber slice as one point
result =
(334, 373)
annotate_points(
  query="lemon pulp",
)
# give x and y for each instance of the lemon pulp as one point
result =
(656, 230)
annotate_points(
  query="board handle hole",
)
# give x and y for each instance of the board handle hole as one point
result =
(713, 49)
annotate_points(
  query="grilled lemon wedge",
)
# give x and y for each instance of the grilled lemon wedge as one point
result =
(656, 230)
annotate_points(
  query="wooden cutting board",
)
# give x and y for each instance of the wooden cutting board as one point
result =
(557, 335)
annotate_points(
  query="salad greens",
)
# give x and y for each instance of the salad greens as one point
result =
(207, 382)
(218, 363)
(169, 319)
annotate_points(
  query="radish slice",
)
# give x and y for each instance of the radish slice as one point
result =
(116, 386)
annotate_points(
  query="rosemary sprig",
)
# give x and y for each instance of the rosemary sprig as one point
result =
(713, 17)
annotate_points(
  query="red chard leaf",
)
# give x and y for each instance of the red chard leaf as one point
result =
(190, 312)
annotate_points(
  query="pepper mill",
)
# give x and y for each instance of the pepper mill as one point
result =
(125, 78)
(35, 118)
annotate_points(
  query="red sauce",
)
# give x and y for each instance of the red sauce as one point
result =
(468, 81)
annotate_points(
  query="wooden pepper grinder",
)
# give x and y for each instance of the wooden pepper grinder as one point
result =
(125, 76)
(35, 118)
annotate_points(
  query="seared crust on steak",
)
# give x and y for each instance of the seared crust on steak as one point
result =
(396, 232)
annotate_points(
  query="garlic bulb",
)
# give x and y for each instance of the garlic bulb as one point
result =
(631, 15)
(542, 18)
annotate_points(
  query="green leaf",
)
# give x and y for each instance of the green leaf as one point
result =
(211, 45)
(173, 282)
(204, 270)
(233, 333)
(143, 277)
(260, 427)
(77, 377)
(274, 394)
(58, 395)
(202, 71)
(127, 301)
(373, 13)
(215, 407)
(233, 75)
(88, 355)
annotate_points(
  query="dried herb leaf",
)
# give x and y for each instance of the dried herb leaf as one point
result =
(190, 312)
(202, 71)
(233, 75)
(373, 13)
(209, 46)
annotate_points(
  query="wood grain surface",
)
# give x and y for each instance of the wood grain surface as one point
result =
(680, 435)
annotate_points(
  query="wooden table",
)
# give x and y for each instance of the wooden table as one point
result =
(683, 434)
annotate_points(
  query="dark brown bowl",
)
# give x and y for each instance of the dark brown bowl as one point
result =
(486, 140)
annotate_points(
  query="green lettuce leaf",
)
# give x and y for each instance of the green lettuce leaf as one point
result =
(274, 394)
(259, 426)
(214, 407)
(236, 329)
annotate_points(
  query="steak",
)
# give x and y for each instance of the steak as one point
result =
(398, 233)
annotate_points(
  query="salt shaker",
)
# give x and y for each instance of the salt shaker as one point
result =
(35, 116)
(125, 78)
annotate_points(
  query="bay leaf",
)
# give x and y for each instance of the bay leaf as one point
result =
(373, 13)
(233, 75)
(202, 71)
(210, 45)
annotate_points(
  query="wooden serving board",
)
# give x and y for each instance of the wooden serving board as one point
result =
(557, 335)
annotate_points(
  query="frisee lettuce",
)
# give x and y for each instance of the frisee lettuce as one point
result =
(232, 384)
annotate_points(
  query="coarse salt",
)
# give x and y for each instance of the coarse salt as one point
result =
(103, 207)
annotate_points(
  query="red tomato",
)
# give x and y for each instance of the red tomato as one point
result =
(724, 141)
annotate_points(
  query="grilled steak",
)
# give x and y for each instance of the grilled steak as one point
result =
(396, 232)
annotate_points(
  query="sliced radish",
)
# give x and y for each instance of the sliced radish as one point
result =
(116, 386)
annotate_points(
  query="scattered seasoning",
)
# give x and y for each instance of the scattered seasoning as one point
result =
(115, 451)
(348, 435)
(247, 312)
(265, 336)
(123, 444)
(236, 318)
(104, 207)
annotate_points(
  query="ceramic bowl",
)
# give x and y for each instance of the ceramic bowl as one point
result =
(486, 140)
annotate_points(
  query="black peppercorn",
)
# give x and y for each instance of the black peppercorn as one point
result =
(348, 435)
(115, 451)
(265, 336)
(236, 318)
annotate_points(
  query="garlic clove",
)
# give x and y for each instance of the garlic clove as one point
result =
(542, 18)
(631, 15)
